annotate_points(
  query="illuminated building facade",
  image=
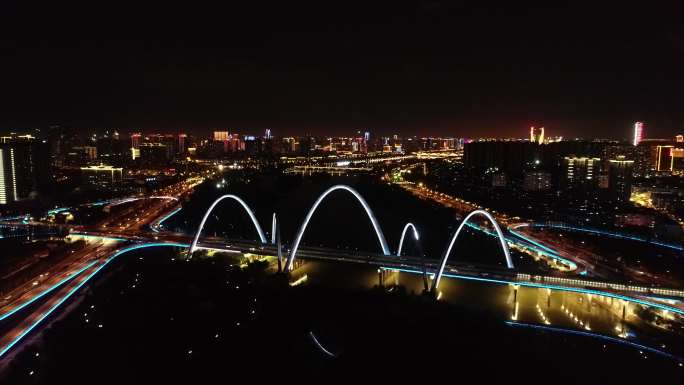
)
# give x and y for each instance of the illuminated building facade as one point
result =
(8, 176)
(181, 143)
(535, 181)
(136, 139)
(102, 175)
(663, 158)
(638, 133)
(508, 156)
(580, 173)
(537, 135)
(678, 160)
(221, 136)
(24, 169)
(154, 154)
(620, 179)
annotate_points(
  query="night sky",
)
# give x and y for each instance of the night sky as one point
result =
(411, 67)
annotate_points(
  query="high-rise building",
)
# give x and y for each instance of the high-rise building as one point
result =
(537, 135)
(580, 173)
(253, 145)
(289, 144)
(136, 139)
(154, 154)
(267, 134)
(509, 156)
(535, 181)
(678, 159)
(679, 138)
(638, 133)
(499, 179)
(225, 138)
(8, 175)
(24, 168)
(620, 178)
(89, 152)
(221, 136)
(181, 143)
(663, 158)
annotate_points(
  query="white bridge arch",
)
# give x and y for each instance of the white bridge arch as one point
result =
(502, 240)
(369, 212)
(403, 234)
(249, 211)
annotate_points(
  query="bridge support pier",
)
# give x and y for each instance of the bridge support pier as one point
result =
(386, 274)
(515, 293)
(279, 245)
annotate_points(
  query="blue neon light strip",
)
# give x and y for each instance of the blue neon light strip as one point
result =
(517, 234)
(75, 289)
(50, 289)
(552, 287)
(544, 250)
(612, 234)
(594, 335)
(100, 203)
(57, 210)
(541, 250)
(159, 224)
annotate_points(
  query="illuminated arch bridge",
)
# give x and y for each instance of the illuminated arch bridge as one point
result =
(90, 270)
(371, 216)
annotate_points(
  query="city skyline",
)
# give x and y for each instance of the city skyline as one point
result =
(633, 134)
(338, 190)
(420, 68)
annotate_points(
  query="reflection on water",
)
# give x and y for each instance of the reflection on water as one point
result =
(553, 308)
